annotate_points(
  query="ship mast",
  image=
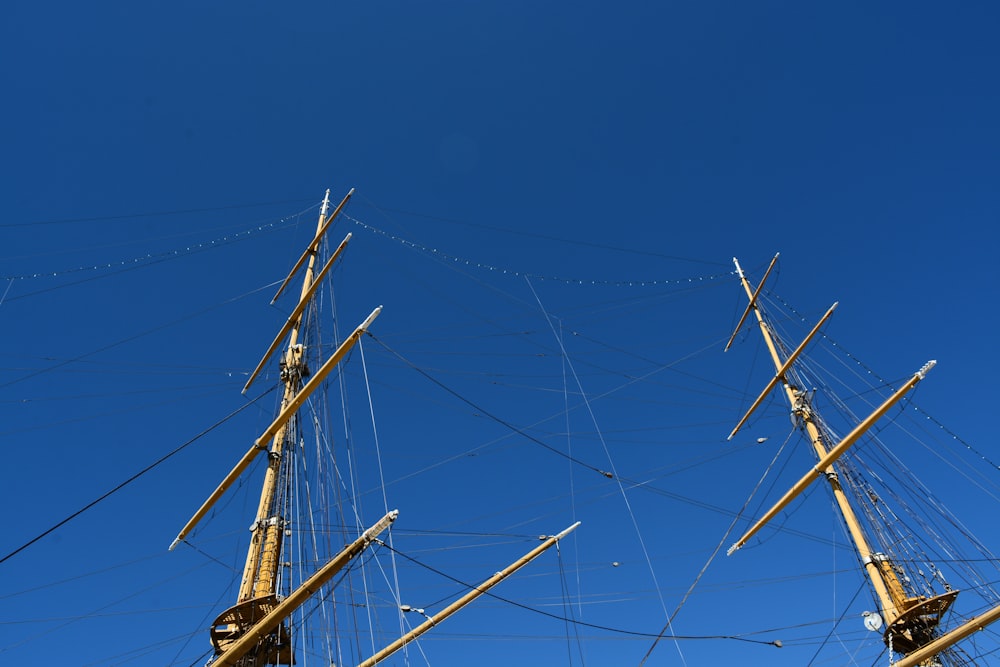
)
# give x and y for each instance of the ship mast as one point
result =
(253, 632)
(260, 571)
(911, 621)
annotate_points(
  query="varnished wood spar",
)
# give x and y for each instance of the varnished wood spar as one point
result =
(260, 444)
(948, 639)
(835, 453)
(313, 245)
(297, 312)
(465, 599)
(272, 620)
(780, 375)
(261, 568)
(753, 299)
(884, 581)
(909, 620)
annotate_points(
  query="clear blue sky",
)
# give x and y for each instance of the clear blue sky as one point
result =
(598, 164)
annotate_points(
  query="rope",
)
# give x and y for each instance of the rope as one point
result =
(129, 216)
(523, 274)
(718, 547)
(607, 453)
(371, 411)
(602, 246)
(385, 499)
(567, 605)
(872, 373)
(150, 258)
(131, 479)
(487, 412)
(634, 633)
(6, 291)
(133, 337)
(572, 480)
(837, 622)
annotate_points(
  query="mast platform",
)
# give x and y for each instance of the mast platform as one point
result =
(273, 649)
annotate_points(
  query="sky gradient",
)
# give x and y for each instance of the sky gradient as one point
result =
(549, 198)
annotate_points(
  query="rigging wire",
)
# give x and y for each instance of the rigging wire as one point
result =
(371, 409)
(883, 523)
(150, 259)
(353, 480)
(326, 482)
(574, 622)
(523, 274)
(889, 529)
(60, 582)
(128, 481)
(487, 413)
(607, 453)
(568, 606)
(971, 475)
(686, 374)
(10, 284)
(204, 619)
(129, 656)
(872, 373)
(736, 518)
(338, 480)
(330, 646)
(394, 568)
(141, 334)
(383, 210)
(147, 214)
(572, 478)
(92, 612)
(373, 337)
(631, 380)
(833, 629)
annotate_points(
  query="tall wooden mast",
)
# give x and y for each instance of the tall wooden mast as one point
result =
(911, 621)
(260, 571)
(258, 592)
(253, 632)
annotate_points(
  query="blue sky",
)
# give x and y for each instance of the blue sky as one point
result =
(597, 164)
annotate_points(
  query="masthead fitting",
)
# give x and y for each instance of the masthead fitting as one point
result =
(922, 373)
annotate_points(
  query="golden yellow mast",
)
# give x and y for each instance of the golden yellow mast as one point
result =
(252, 633)
(261, 568)
(261, 636)
(911, 622)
